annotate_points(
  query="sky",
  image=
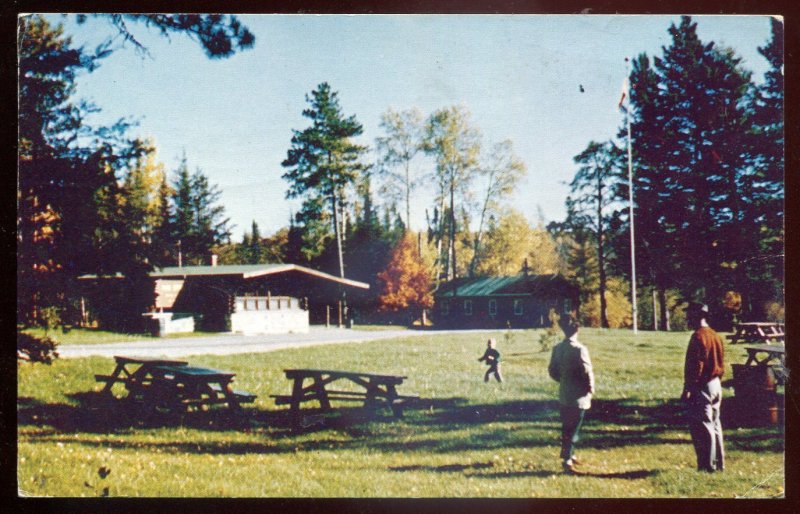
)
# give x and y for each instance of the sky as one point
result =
(518, 75)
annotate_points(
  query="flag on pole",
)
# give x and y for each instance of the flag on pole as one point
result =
(624, 92)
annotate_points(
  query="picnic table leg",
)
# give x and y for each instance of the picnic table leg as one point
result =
(294, 404)
(322, 393)
(117, 374)
(391, 397)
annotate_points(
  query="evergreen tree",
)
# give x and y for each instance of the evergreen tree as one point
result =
(322, 162)
(199, 221)
(594, 189)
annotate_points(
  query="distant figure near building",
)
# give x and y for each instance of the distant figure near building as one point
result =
(702, 389)
(492, 357)
(571, 367)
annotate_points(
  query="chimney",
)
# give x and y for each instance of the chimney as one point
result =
(213, 259)
(525, 267)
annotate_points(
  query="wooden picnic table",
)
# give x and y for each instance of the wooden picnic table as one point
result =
(372, 389)
(758, 332)
(132, 370)
(765, 353)
(169, 385)
(772, 355)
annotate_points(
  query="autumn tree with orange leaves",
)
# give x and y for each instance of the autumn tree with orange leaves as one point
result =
(407, 279)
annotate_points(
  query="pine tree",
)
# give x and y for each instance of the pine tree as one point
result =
(322, 162)
(594, 189)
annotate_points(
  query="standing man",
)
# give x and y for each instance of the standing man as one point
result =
(702, 389)
(571, 367)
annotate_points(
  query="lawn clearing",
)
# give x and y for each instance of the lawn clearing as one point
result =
(75, 336)
(464, 438)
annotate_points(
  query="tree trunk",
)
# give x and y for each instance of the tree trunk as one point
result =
(408, 197)
(453, 228)
(601, 252)
(338, 233)
(662, 300)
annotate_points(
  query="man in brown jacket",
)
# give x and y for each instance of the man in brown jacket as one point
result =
(702, 389)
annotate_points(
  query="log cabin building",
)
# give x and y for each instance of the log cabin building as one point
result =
(520, 301)
(213, 295)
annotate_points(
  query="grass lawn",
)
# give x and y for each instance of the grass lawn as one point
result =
(74, 336)
(464, 438)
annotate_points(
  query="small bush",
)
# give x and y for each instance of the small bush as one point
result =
(36, 349)
(550, 336)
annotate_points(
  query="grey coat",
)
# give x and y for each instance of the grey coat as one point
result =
(571, 367)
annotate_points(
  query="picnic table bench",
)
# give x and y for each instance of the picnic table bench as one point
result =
(169, 385)
(373, 390)
(758, 332)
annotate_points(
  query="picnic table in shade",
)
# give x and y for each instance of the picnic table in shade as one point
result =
(773, 355)
(758, 332)
(131, 370)
(373, 390)
(169, 385)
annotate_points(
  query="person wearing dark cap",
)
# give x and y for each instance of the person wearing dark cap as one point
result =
(702, 390)
(571, 367)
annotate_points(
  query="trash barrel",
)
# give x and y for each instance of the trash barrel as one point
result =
(755, 392)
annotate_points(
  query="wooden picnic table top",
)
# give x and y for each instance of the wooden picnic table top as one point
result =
(760, 324)
(155, 361)
(373, 377)
(196, 373)
(772, 351)
(777, 349)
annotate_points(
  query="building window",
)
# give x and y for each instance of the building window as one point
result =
(518, 307)
(468, 307)
(492, 307)
(567, 305)
(445, 307)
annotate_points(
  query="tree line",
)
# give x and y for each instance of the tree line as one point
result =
(707, 157)
(707, 154)
(92, 199)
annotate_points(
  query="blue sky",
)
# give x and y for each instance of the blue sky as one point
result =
(518, 75)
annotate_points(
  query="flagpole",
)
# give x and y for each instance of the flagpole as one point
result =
(630, 204)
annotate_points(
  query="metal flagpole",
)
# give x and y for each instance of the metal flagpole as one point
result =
(630, 201)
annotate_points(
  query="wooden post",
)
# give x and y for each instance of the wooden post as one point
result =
(269, 300)
(327, 316)
(340, 314)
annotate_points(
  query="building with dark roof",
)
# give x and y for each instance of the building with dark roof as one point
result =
(520, 301)
(211, 292)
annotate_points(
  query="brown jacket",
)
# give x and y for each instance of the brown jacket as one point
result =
(704, 358)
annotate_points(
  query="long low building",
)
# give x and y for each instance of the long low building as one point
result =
(211, 294)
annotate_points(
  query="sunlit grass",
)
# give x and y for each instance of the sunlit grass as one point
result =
(75, 336)
(464, 439)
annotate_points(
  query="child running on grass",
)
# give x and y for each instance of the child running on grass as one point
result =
(492, 358)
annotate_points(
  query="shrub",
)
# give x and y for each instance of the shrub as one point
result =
(35, 349)
(550, 336)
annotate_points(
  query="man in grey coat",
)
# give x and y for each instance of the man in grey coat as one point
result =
(571, 367)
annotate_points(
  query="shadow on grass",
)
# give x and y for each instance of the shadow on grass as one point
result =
(448, 425)
(625, 475)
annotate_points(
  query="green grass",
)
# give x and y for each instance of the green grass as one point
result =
(464, 439)
(74, 336)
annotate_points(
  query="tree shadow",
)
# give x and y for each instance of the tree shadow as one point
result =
(609, 424)
(626, 475)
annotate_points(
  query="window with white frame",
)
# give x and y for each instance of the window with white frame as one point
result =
(518, 307)
(468, 307)
(492, 307)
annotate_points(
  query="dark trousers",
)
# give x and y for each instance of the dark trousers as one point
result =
(571, 421)
(705, 426)
(493, 369)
